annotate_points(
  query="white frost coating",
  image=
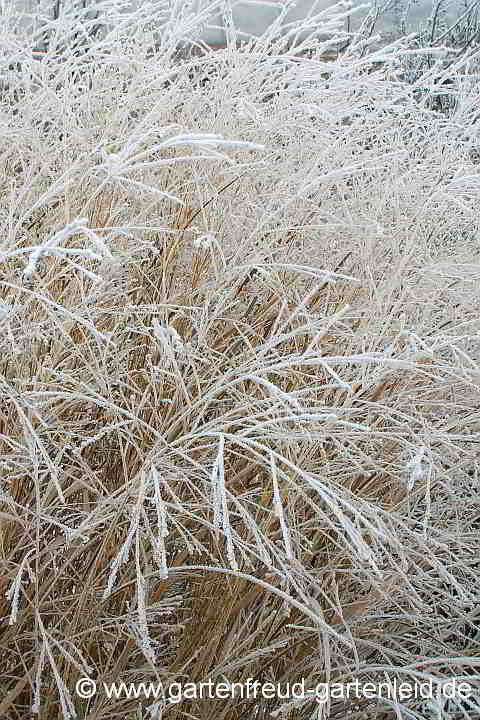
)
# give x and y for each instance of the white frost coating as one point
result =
(217, 480)
(416, 467)
(13, 594)
(51, 246)
(160, 553)
(278, 508)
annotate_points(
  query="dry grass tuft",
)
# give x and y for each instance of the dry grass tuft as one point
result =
(239, 377)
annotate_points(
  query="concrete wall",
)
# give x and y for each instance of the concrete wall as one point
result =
(252, 17)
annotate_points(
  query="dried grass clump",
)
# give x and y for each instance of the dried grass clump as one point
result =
(239, 375)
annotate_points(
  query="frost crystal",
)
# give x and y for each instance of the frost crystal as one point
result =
(204, 241)
(416, 468)
(168, 337)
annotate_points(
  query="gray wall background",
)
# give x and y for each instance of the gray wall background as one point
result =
(394, 15)
(250, 17)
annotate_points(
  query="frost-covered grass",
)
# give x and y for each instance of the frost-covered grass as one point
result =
(239, 372)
